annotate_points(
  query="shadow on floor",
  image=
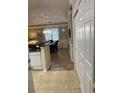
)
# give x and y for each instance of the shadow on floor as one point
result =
(61, 60)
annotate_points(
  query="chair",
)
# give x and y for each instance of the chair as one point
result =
(56, 45)
(51, 41)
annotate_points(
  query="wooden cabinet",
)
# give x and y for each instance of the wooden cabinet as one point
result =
(35, 58)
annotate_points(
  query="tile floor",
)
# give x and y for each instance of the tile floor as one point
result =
(61, 77)
(61, 60)
(56, 82)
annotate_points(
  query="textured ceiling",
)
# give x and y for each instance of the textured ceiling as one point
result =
(43, 12)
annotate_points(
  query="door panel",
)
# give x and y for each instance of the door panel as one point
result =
(88, 83)
(84, 45)
(87, 41)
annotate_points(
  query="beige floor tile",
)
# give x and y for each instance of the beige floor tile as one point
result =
(74, 85)
(64, 91)
(49, 85)
(75, 91)
(64, 85)
(48, 78)
(56, 82)
(48, 91)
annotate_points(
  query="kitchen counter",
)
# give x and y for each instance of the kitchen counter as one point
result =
(36, 46)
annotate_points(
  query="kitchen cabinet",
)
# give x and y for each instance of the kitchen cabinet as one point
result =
(36, 63)
(40, 60)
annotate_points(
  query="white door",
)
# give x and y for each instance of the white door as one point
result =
(84, 43)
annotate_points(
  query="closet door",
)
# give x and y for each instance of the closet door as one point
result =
(84, 43)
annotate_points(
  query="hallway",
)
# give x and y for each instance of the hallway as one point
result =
(71, 24)
(61, 77)
(61, 60)
(56, 82)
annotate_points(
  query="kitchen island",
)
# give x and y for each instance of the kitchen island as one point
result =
(40, 57)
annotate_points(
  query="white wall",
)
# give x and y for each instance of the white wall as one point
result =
(83, 43)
